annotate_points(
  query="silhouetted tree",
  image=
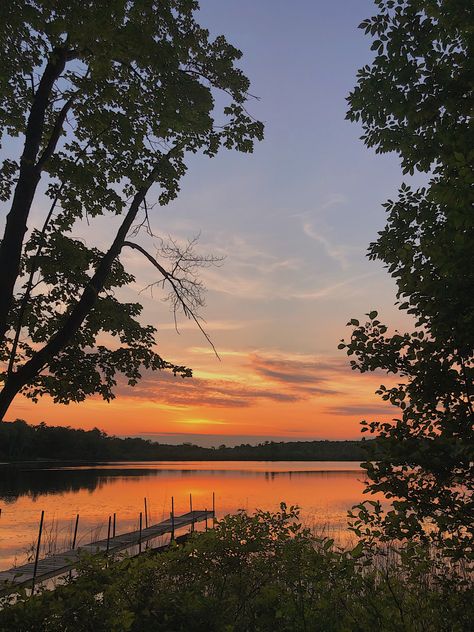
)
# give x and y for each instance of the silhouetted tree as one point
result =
(102, 101)
(416, 99)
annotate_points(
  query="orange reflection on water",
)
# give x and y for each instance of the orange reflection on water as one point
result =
(324, 491)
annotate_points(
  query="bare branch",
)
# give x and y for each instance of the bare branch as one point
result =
(187, 293)
(144, 223)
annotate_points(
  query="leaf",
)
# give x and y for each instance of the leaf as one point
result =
(357, 550)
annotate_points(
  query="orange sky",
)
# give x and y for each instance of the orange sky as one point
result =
(247, 396)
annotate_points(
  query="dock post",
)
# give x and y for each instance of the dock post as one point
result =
(140, 535)
(113, 528)
(172, 518)
(74, 538)
(213, 508)
(146, 518)
(37, 553)
(206, 517)
(191, 511)
(108, 535)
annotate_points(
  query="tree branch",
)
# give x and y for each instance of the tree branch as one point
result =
(56, 133)
(179, 291)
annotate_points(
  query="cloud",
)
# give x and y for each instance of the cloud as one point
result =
(211, 325)
(303, 377)
(307, 368)
(222, 352)
(164, 388)
(275, 378)
(251, 271)
(332, 200)
(281, 376)
(361, 410)
(288, 371)
(331, 289)
(335, 199)
(199, 421)
(338, 253)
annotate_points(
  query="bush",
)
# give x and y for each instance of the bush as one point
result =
(252, 573)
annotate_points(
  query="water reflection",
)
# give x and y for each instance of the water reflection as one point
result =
(42, 480)
(324, 491)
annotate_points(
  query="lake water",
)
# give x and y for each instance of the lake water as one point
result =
(323, 490)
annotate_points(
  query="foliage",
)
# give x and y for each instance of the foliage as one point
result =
(99, 105)
(416, 99)
(251, 573)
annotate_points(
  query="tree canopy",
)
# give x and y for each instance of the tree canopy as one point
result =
(99, 105)
(416, 99)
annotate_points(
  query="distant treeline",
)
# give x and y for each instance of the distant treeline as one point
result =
(20, 441)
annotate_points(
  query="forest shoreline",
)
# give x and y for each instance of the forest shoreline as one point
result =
(21, 442)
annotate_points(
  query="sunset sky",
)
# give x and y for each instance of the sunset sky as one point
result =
(293, 221)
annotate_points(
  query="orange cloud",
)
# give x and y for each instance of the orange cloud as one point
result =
(259, 394)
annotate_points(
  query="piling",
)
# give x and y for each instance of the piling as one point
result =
(74, 537)
(172, 518)
(37, 553)
(109, 528)
(140, 534)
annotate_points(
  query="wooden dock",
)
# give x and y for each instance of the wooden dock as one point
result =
(62, 563)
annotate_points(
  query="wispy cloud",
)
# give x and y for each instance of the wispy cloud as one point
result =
(200, 421)
(339, 253)
(222, 352)
(333, 288)
(165, 388)
(361, 410)
(275, 378)
(330, 201)
(305, 378)
(250, 270)
(210, 325)
(315, 227)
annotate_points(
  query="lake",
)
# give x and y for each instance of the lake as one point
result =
(323, 489)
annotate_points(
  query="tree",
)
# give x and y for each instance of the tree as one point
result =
(102, 101)
(416, 99)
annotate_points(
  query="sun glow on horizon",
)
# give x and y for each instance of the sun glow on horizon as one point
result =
(289, 396)
(201, 422)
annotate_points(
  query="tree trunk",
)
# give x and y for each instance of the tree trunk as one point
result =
(29, 176)
(7, 395)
